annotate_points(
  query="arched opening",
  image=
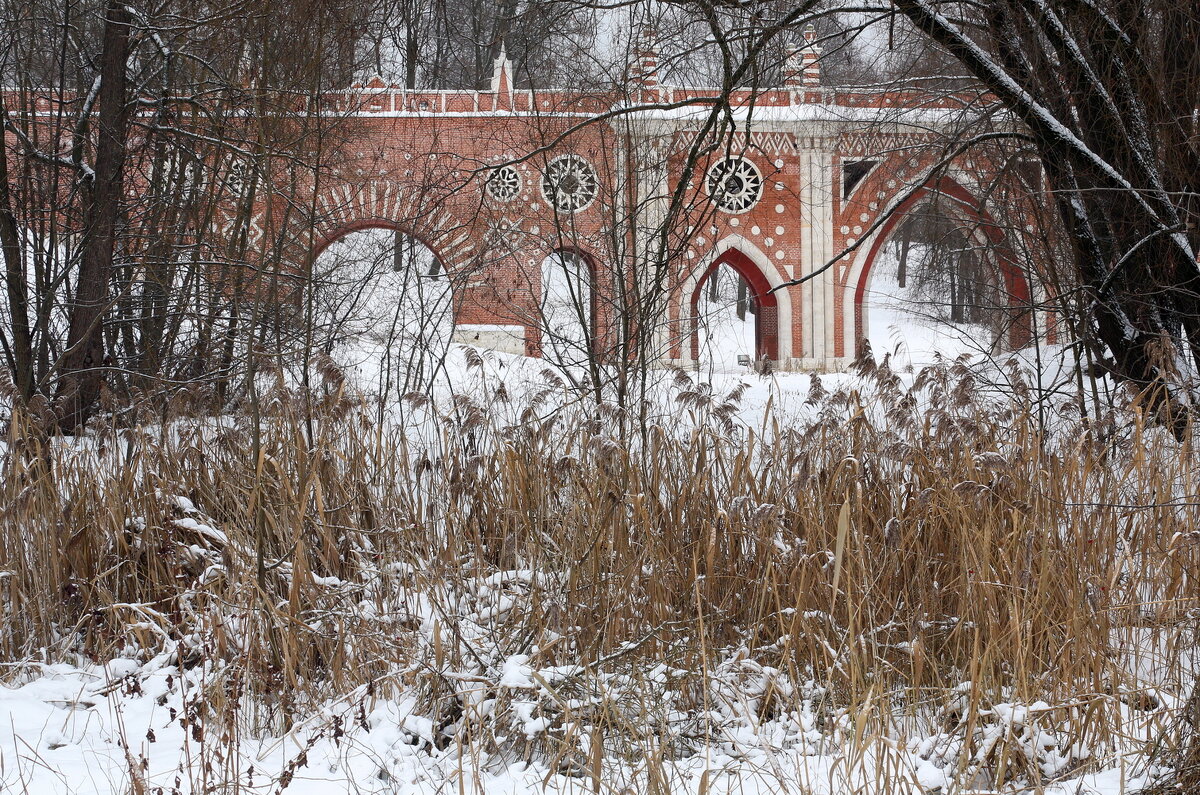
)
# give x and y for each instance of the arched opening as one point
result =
(567, 308)
(939, 279)
(385, 302)
(735, 314)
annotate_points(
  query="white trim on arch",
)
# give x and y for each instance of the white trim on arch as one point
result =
(765, 266)
(859, 262)
(849, 338)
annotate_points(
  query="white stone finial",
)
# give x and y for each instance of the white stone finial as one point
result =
(810, 36)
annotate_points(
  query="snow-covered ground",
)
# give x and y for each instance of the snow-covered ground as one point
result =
(134, 724)
(914, 328)
(899, 320)
(127, 727)
(896, 325)
(723, 335)
(406, 304)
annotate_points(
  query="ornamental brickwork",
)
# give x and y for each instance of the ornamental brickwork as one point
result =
(782, 184)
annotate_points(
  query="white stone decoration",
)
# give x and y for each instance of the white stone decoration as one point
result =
(503, 184)
(570, 183)
(506, 339)
(735, 184)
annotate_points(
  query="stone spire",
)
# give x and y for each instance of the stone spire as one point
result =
(502, 72)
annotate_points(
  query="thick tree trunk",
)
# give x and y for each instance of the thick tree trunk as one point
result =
(81, 373)
(20, 342)
(412, 47)
(1120, 160)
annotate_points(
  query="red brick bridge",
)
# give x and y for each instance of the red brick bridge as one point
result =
(654, 190)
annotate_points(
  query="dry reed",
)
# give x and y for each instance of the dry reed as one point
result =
(897, 561)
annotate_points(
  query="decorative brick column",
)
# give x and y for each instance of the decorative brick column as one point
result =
(802, 70)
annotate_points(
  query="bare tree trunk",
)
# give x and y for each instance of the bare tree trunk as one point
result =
(20, 344)
(82, 376)
(1117, 158)
(412, 47)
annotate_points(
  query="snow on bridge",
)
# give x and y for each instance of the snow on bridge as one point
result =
(653, 193)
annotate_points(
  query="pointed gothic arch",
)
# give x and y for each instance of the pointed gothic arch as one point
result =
(964, 205)
(773, 320)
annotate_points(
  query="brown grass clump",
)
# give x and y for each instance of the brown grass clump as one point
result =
(903, 556)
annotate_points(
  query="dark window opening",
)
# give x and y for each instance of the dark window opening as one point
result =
(853, 172)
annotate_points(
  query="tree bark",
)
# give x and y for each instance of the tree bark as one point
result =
(81, 368)
(20, 342)
(1117, 162)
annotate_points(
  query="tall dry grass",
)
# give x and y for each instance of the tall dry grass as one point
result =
(896, 559)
